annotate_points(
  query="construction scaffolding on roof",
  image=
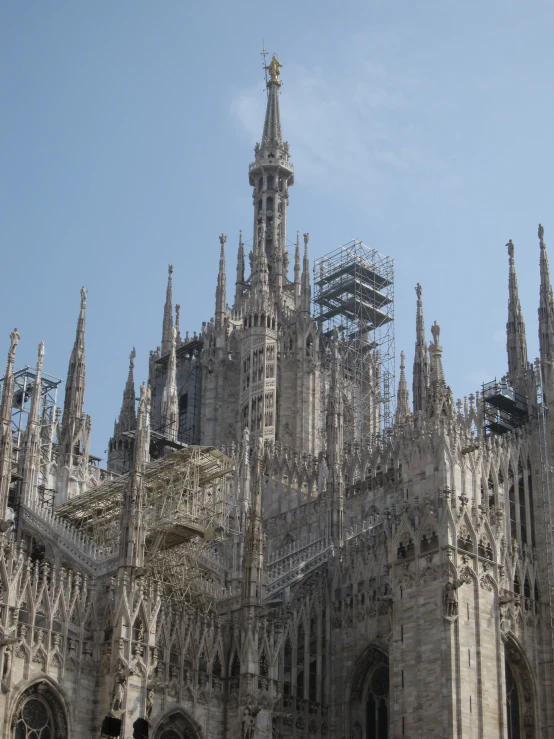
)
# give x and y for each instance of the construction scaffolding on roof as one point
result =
(24, 383)
(189, 506)
(354, 303)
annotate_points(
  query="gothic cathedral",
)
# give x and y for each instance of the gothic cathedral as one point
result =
(265, 556)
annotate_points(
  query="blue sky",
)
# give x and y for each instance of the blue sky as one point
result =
(424, 129)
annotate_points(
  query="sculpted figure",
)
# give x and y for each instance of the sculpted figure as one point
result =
(451, 597)
(149, 702)
(248, 723)
(118, 690)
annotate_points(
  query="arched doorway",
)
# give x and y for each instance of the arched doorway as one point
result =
(369, 696)
(177, 725)
(39, 714)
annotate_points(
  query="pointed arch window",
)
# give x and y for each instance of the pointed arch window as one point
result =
(235, 666)
(512, 503)
(35, 720)
(531, 502)
(522, 507)
(512, 705)
(287, 667)
(39, 714)
(491, 490)
(377, 709)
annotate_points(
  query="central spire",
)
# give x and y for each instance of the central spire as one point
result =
(271, 174)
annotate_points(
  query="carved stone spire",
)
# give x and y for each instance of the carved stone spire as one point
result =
(178, 322)
(128, 416)
(516, 343)
(30, 459)
(546, 321)
(403, 398)
(260, 276)
(306, 289)
(297, 272)
(272, 135)
(239, 284)
(170, 401)
(131, 545)
(435, 352)
(6, 439)
(253, 556)
(271, 175)
(221, 290)
(421, 359)
(168, 313)
(74, 422)
(440, 401)
(119, 446)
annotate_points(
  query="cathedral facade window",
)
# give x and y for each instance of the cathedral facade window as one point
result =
(35, 720)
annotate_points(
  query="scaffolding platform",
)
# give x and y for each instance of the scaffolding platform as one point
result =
(179, 502)
(504, 408)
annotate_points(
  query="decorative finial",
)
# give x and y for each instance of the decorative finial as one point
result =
(306, 239)
(170, 269)
(274, 67)
(510, 246)
(436, 331)
(418, 291)
(41, 351)
(402, 361)
(14, 340)
(222, 240)
(132, 357)
(83, 297)
(541, 235)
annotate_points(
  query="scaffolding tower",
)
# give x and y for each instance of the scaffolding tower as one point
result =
(504, 409)
(354, 303)
(24, 383)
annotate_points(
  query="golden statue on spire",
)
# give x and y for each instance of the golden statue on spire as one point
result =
(274, 68)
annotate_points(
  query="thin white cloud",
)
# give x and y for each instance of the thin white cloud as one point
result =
(356, 130)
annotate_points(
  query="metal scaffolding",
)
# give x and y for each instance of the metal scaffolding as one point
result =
(24, 383)
(354, 301)
(189, 506)
(504, 409)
